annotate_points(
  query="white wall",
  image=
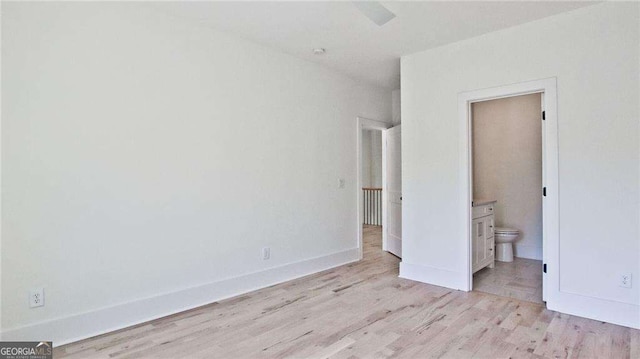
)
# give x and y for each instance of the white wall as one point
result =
(371, 158)
(146, 161)
(507, 166)
(396, 107)
(376, 159)
(593, 52)
(366, 158)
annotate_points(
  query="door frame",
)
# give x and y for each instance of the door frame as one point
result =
(550, 204)
(368, 124)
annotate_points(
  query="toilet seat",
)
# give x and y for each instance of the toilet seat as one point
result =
(506, 230)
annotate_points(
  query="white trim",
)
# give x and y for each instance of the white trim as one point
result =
(367, 124)
(85, 325)
(385, 197)
(544, 176)
(432, 275)
(609, 311)
(551, 240)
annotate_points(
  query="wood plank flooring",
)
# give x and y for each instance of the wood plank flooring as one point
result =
(363, 310)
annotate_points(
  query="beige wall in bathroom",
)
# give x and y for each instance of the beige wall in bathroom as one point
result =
(507, 166)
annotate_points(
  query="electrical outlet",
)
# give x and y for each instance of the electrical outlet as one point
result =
(266, 253)
(625, 280)
(36, 297)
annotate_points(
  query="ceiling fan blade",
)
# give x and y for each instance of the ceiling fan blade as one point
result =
(375, 11)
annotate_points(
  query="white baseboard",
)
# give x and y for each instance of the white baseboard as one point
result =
(85, 325)
(603, 310)
(619, 313)
(432, 275)
(529, 252)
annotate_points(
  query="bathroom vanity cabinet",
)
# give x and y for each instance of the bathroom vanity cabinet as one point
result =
(482, 239)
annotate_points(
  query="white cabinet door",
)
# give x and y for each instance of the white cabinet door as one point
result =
(490, 226)
(482, 243)
(393, 189)
(490, 251)
(482, 240)
(478, 242)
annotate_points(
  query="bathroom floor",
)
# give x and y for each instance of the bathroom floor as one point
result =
(520, 279)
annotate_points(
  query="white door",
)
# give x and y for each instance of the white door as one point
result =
(544, 202)
(392, 189)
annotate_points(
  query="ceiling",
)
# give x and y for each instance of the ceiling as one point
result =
(355, 46)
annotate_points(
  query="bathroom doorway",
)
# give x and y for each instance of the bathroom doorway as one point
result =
(512, 170)
(506, 154)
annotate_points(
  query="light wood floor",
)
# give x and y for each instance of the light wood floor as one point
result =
(363, 310)
(520, 279)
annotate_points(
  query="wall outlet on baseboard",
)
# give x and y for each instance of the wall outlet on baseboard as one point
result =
(36, 297)
(266, 253)
(625, 280)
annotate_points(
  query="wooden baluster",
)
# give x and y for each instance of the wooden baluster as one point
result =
(364, 201)
(364, 195)
(375, 204)
(372, 206)
(379, 208)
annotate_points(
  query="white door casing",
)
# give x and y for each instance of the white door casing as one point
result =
(550, 203)
(392, 187)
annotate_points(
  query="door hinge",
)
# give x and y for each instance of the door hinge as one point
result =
(544, 268)
(543, 116)
(544, 191)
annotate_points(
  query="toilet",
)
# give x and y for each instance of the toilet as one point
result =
(505, 237)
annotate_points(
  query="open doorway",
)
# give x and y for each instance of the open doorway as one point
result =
(506, 153)
(371, 169)
(379, 189)
(480, 225)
